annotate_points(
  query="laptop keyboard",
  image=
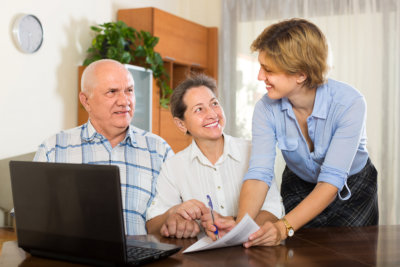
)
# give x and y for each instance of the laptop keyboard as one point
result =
(139, 253)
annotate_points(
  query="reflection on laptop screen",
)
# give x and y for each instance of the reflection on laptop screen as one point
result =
(73, 212)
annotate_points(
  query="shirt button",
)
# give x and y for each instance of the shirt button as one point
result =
(222, 207)
(219, 187)
(152, 203)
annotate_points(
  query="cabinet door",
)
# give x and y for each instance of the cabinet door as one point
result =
(180, 39)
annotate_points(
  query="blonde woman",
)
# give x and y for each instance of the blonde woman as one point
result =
(319, 125)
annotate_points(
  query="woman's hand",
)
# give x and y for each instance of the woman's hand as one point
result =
(269, 234)
(224, 224)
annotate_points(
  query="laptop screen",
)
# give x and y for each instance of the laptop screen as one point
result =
(69, 209)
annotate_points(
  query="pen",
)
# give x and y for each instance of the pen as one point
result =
(212, 215)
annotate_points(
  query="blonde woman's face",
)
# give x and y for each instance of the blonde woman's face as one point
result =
(277, 82)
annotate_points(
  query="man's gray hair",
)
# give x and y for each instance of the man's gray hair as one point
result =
(87, 82)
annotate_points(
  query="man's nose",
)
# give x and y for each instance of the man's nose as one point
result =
(123, 98)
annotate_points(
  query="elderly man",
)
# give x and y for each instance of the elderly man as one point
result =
(109, 138)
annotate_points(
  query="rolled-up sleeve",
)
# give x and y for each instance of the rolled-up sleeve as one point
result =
(344, 144)
(261, 165)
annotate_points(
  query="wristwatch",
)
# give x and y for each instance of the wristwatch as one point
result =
(289, 228)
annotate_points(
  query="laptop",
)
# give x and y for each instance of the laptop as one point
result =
(73, 212)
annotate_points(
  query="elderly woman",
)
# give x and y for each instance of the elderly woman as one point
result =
(214, 164)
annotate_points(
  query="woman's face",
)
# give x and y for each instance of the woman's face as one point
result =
(204, 118)
(278, 83)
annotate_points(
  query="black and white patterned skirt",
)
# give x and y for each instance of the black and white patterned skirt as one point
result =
(360, 209)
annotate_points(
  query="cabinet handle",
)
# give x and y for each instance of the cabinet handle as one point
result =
(169, 58)
(196, 65)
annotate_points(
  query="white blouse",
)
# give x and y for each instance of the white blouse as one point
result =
(190, 175)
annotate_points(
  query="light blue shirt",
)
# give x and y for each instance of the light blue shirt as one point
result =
(336, 127)
(139, 158)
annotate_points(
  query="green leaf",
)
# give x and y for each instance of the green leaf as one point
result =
(126, 57)
(96, 29)
(164, 102)
(140, 52)
(87, 61)
(158, 60)
(111, 52)
(118, 41)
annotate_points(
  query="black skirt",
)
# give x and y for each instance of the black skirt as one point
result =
(360, 209)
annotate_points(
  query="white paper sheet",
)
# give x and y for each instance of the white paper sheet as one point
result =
(237, 236)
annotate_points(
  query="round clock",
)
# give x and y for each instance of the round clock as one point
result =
(28, 33)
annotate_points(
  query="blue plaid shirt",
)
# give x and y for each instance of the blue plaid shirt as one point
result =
(139, 158)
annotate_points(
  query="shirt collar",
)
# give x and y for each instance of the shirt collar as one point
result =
(285, 104)
(89, 133)
(230, 150)
(321, 103)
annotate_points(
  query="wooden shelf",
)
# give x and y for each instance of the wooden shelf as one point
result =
(186, 47)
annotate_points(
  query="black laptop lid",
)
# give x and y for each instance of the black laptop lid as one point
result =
(73, 211)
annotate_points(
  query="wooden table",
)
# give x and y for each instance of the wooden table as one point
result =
(359, 246)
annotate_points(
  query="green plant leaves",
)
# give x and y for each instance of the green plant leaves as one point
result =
(116, 40)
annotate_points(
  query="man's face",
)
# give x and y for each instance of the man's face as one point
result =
(111, 103)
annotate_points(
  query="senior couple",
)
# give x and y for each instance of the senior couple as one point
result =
(318, 123)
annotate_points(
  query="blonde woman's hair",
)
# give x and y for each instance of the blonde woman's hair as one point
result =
(296, 46)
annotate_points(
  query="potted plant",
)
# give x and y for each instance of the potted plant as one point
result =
(116, 40)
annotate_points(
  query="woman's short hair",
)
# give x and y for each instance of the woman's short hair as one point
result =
(178, 106)
(296, 45)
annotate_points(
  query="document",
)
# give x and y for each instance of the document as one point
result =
(237, 236)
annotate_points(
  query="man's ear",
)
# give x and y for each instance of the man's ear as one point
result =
(84, 101)
(180, 124)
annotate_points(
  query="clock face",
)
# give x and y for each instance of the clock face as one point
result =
(28, 33)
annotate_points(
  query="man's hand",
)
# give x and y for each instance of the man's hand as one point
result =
(179, 227)
(224, 224)
(191, 209)
(269, 234)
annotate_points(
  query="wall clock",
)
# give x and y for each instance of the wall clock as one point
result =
(28, 33)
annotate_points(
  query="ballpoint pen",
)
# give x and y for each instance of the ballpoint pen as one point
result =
(212, 215)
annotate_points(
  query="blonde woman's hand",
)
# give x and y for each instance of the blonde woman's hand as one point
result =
(269, 234)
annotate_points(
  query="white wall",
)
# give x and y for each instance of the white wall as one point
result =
(39, 91)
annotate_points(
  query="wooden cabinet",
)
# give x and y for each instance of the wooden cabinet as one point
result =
(181, 41)
(186, 47)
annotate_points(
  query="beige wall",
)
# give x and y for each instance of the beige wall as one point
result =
(39, 91)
